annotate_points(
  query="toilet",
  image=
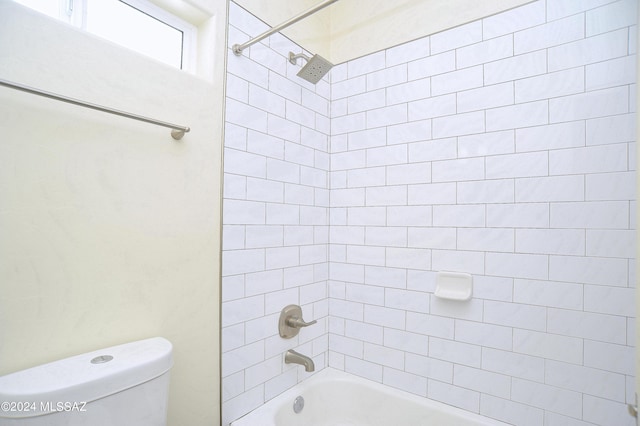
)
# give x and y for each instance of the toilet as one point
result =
(121, 385)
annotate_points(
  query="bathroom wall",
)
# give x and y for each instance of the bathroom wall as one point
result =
(503, 148)
(275, 217)
(110, 228)
(362, 27)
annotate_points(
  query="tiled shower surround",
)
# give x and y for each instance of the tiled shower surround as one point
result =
(275, 217)
(503, 148)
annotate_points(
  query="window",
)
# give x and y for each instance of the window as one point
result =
(136, 24)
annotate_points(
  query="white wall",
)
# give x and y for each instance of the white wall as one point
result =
(504, 148)
(110, 228)
(362, 27)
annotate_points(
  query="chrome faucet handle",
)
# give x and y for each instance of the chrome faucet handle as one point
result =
(291, 321)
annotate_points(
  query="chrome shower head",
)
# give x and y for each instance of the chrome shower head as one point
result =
(315, 69)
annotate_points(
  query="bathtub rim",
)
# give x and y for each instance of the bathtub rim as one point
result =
(329, 374)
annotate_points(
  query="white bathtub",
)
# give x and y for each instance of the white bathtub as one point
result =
(335, 398)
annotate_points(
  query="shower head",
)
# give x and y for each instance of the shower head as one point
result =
(315, 69)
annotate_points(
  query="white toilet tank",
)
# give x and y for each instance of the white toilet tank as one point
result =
(118, 386)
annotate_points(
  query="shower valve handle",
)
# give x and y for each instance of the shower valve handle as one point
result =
(291, 321)
(299, 322)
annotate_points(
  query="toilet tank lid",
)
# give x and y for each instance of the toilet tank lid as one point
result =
(78, 379)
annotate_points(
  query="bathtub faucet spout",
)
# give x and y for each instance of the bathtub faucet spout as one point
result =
(293, 357)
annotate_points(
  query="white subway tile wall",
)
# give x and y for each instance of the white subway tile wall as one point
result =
(504, 148)
(275, 218)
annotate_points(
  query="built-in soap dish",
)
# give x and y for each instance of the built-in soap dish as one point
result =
(454, 286)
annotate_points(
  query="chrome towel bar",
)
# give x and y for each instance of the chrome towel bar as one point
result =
(177, 132)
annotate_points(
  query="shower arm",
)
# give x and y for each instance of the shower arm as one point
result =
(238, 48)
(292, 57)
